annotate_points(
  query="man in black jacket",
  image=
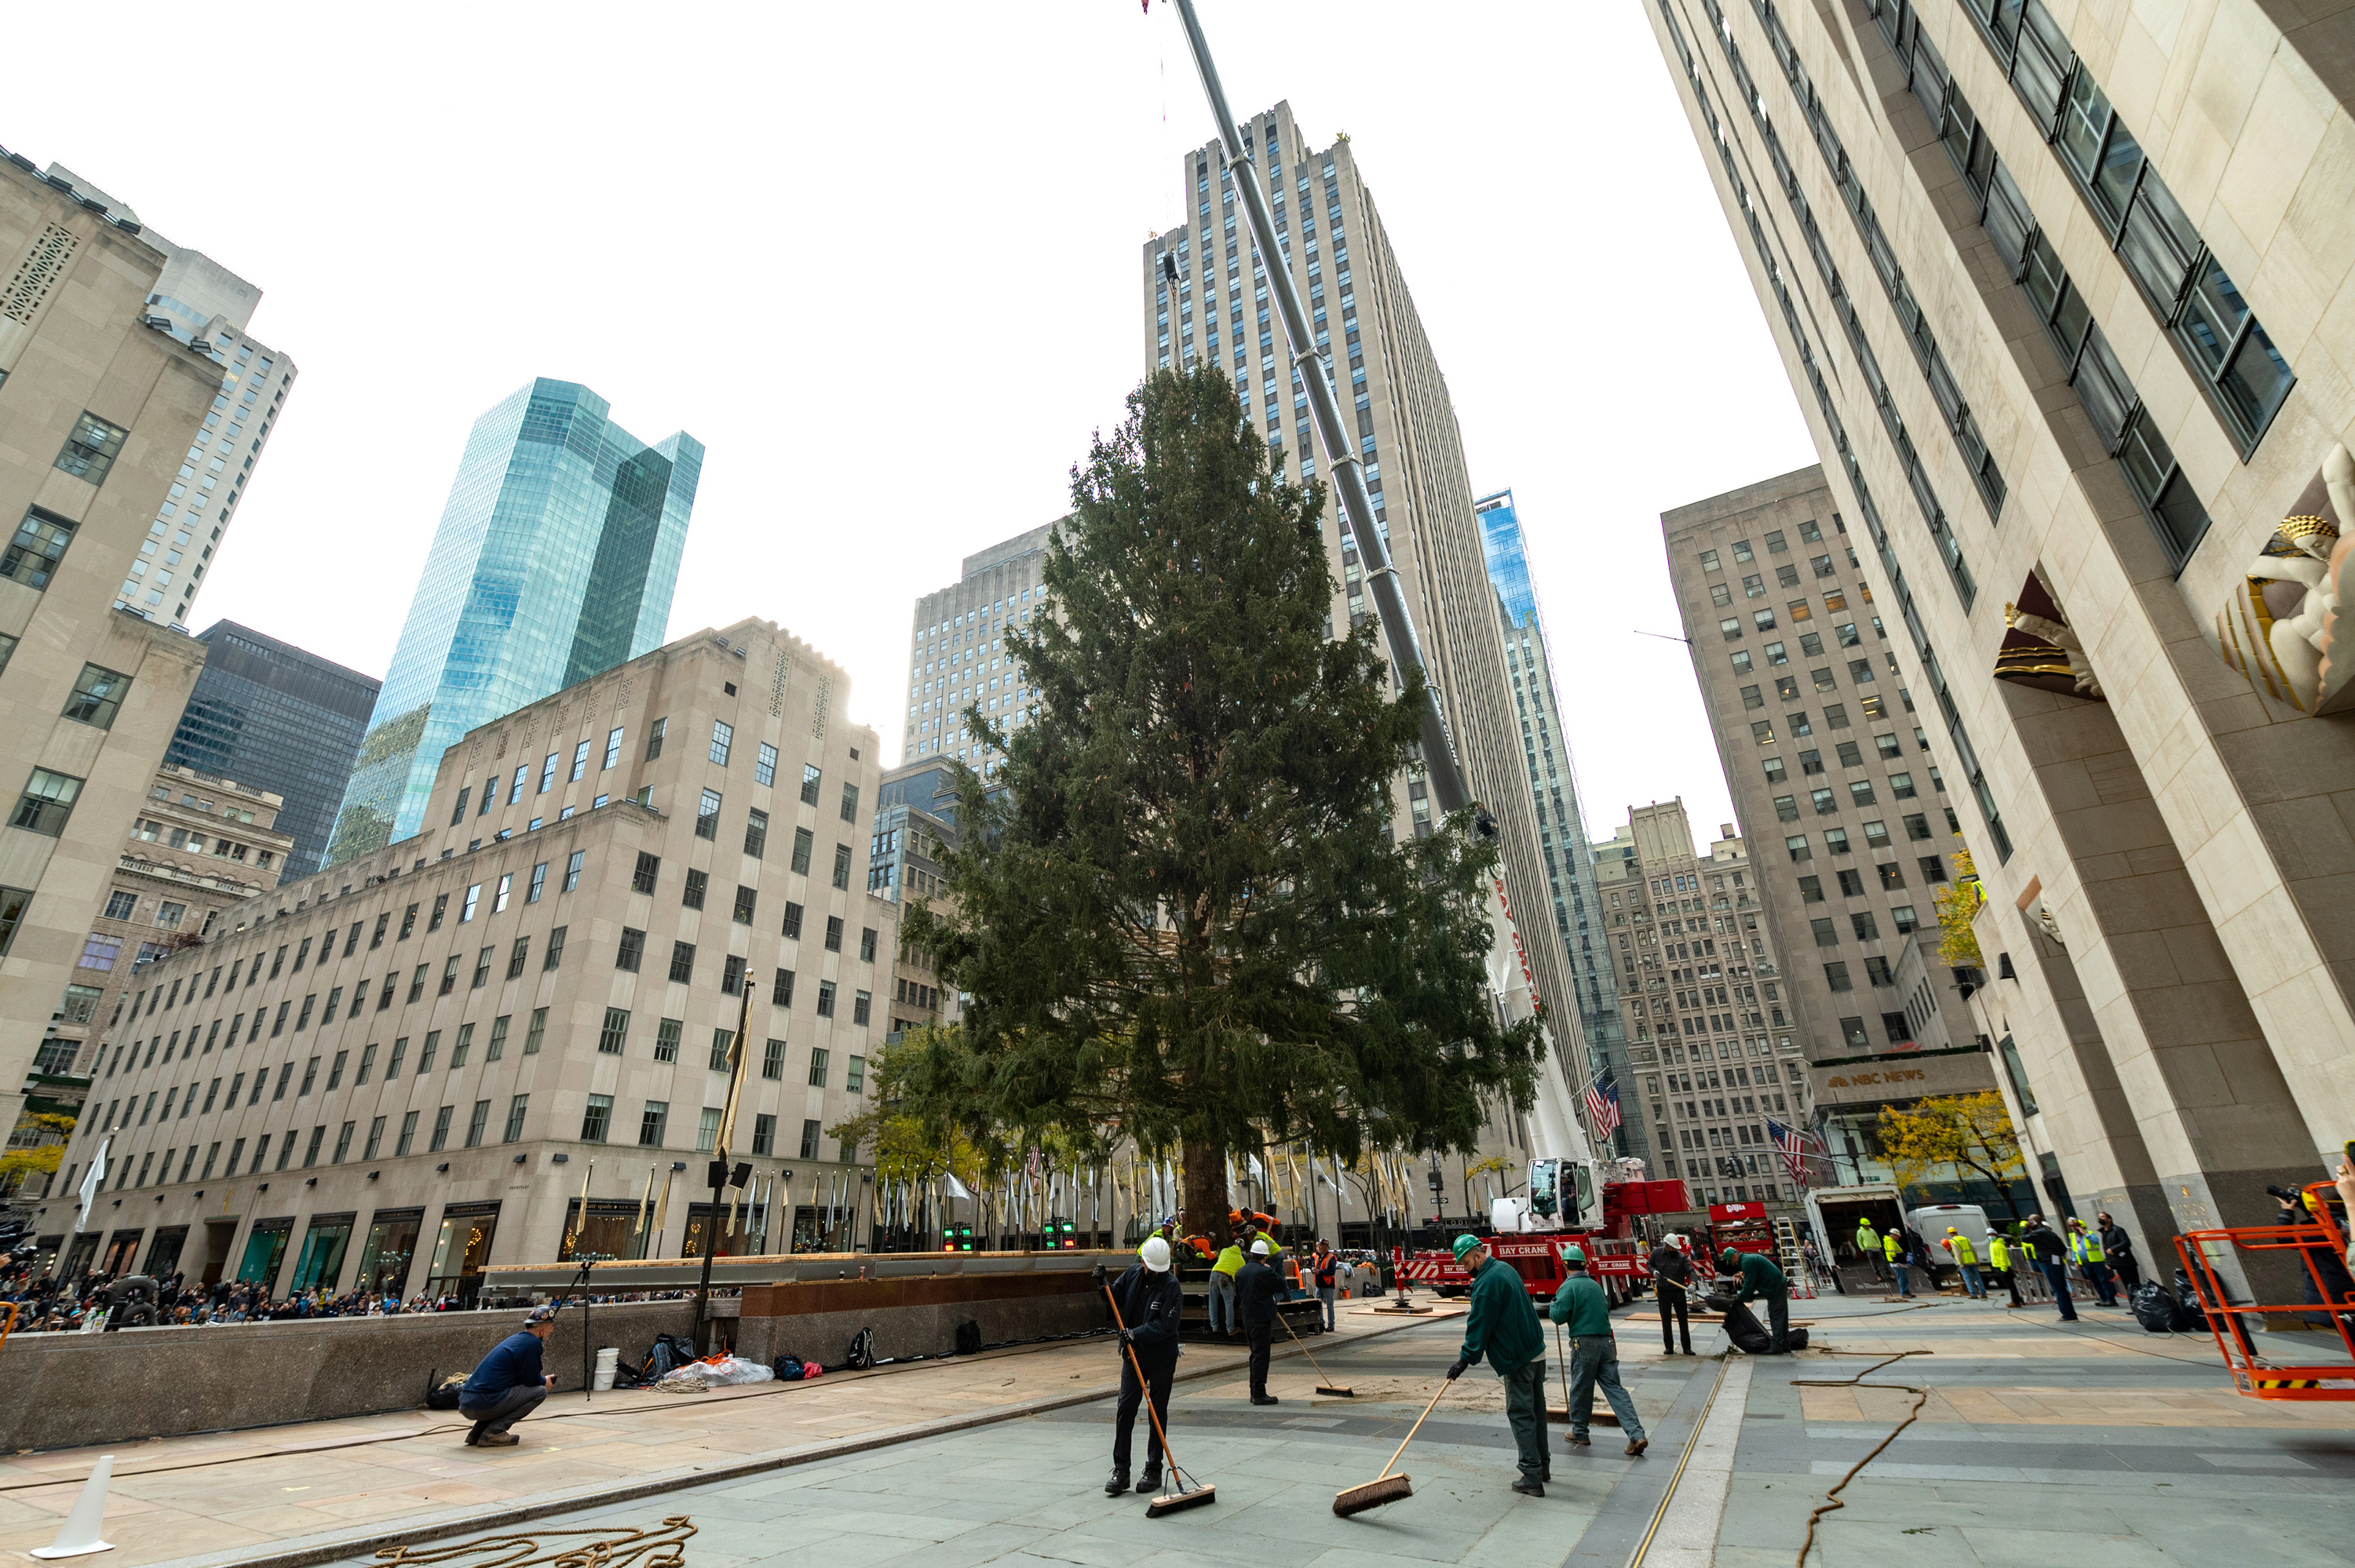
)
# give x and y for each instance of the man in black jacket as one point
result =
(2117, 1251)
(2051, 1254)
(1257, 1290)
(1671, 1276)
(1150, 1302)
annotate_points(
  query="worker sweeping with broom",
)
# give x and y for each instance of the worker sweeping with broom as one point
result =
(1502, 1327)
(1148, 1301)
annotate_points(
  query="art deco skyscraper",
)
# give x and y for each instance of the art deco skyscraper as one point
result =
(1218, 313)
(555, 561)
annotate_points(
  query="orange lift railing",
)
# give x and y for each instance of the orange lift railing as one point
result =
(2258, 1374)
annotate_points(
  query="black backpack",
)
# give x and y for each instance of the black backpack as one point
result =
(788, 1368)
(862, 1350)
(968, 1338)
(670, 1353)
(443, 1394)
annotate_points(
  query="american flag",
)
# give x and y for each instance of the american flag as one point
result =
(1793, 1145)
(1602, 1105)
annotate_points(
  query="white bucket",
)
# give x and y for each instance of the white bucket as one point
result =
(606, 1361)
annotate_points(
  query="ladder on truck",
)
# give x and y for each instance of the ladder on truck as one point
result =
(1794, 1260)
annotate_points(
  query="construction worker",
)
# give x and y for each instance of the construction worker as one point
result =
(1868, 1242)
(1150, 1305)
(2000, 1259)
(1324, 1269)
(1894, 1254)
(1967, 1259)
(2085, 1248)
(508, 1383)
(2050, 1254)
(1585, 1312)
(1257, 1290)
(1502, 1328)
(1222, 1287)
(1672, 1283)
(1762, 1281)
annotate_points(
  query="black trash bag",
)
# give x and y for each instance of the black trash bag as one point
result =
(2153, 1308)
(443, 1395)
(862, 1350)
(788, 1368)
(2189, 1313)
(1742, 1326)
(968, 1338)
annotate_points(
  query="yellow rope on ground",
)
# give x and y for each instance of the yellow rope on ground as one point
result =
(612, 1546)
(1832, 1502)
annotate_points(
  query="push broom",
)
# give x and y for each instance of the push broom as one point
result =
(1328, 1387)
(1385, 1488)
(1175, 1493)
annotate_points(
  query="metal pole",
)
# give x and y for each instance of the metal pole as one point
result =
(719, 1172)
(1316, 371)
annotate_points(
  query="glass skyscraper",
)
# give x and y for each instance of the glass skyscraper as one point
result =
(1554, 788)
(555, 561)
(266, 713)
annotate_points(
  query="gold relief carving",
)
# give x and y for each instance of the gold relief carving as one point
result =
(2280, 629)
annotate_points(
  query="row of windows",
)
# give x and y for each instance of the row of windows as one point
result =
(654, 1122)
(477, 1124)
(1966, 755)
(32, 556)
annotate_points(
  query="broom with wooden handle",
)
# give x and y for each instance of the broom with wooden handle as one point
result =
(1328, 1387)
(1385, 1488)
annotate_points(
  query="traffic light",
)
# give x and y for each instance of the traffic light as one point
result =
(957, 1239)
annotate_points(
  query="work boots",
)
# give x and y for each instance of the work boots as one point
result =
(1151, 1481)
(1117, 1485)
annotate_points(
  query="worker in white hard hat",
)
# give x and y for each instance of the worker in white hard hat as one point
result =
(1150, 1302)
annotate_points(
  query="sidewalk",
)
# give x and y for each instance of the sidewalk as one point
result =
(291, 1487)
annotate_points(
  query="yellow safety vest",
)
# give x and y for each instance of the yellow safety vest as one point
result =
(1888, 1246)
(1998, 1254)
(1960, 1245)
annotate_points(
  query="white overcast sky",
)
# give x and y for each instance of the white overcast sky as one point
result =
(881, 259)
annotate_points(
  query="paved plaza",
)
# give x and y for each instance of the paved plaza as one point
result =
(2088, 1446)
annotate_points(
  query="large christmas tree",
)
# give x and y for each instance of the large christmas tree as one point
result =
(1180, 909)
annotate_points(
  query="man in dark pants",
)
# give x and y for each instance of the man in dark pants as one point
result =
(2118, 1249)
(1671, 1276)
(2041, 1242)
(1150, 1302)
(1257, 1290)
(1502, 1327)
(1762, 1281)
(508, 1384)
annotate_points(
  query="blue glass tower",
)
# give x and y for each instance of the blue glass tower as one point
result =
(1554, 786)
(555, 561)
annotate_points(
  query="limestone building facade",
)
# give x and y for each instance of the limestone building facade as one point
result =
(423, 1060)
(2058, 286)
(1835, 773)
(101, 413)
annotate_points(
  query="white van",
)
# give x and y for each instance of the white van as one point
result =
(1931, 1225)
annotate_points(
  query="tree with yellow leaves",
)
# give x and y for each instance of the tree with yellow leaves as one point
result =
(19, 1166)
(1958, 906)
(1972, 1132)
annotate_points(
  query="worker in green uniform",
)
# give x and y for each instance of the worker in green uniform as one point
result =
(1581, 1309)
(1502, 1327)
(1762, 1281)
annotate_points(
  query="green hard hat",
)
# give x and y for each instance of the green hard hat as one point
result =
(1574, 1255)
(1465, 1244)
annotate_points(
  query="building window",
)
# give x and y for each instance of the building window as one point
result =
(782, 995)
(825, 999)
(706, 816)
(803, 842)
(818, 1066)
(90, 450)
(441, 1132)
(515, 1119)
(535, 1033)
(97, 696)
(475, 1121)
(682, 962)
(1876, 972)
(698, 884)
(1836, 976)
(834, 933)
(723, 737)
(1797, 847)
(641, 880)
(809, 1140)
(593, 1120)
(611, 1039)
(654, 739)
(764, 765)
(862, 1004)
(764, 1134)
(842, 865)
(772, 1060)
(794, 920)
(666, 1036)
(630, 951)
(745, 897)
(32, 556)
(573, 870)
(48, 801)
(809, 784)
(1826, 935)
(651, 1122)
(756, 833)
(707, 1130)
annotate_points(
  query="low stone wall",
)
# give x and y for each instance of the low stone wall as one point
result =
(814, 1320)
(60, 1390)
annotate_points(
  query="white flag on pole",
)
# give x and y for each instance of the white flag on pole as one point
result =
(956, 1188)
(92, 1183)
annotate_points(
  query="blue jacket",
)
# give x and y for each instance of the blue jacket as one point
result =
(515, 1363)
